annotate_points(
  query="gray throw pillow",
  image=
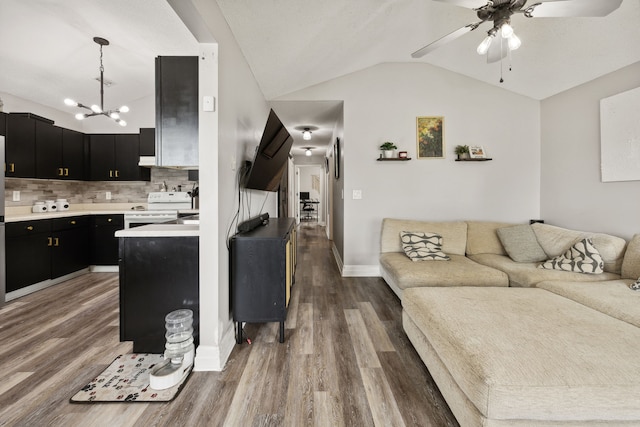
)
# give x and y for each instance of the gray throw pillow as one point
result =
(521, 244)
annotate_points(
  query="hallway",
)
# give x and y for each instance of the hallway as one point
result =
(345, 360)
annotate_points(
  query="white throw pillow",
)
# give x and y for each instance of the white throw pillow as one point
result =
(420, 246)
(582, 257)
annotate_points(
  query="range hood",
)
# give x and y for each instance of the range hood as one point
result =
(147, 161)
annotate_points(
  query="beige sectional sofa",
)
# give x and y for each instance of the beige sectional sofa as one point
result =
(564, 351)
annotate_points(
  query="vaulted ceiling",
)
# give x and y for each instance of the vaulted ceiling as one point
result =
(47, 52)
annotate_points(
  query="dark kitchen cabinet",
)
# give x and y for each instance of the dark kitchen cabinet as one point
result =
(115, 158)
(3, 123)
(28, 254)
(48, 151)
(45, 249)
(104, 244)
(70, 246)
(147, 141)
(59, 152)
(262, 272)
(157, 275)
(20, 146)
(177, 111)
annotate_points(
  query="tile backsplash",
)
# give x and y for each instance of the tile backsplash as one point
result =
(33, 190)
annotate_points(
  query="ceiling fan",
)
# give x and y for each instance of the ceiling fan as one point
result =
(499, 12)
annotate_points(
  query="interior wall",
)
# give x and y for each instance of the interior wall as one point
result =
(381, 103)
(241, 115)
(572, 194)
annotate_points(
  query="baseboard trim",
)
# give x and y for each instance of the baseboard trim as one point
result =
(104, 269)
(213, 358)
(361, 271)
(336, 256)
(42, 285)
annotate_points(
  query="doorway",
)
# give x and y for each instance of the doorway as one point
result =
(310, 191)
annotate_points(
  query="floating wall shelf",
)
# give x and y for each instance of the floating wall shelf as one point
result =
(396, 159)
(474, 160)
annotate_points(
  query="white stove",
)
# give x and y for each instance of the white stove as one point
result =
(162, 206)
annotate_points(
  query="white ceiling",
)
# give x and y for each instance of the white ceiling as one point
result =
(47, 52)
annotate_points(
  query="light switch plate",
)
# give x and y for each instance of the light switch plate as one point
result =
(108, 195)
(357, 194)
(208, 103)
(16, 195)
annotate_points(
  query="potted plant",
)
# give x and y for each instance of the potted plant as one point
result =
(388, 149)
(462, 151)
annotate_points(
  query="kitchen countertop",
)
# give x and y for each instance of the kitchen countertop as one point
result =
(161, 230)
(23, 213)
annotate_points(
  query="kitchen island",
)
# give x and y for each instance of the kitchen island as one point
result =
(158, 274)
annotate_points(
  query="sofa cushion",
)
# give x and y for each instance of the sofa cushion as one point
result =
(612, 297)
(631, 261)
(419, 246)
(520, 243)
(454, 234)
(582, 257)
(529, 354)
(482, 237)
(527, 274)
(460, 271)
(555, 240)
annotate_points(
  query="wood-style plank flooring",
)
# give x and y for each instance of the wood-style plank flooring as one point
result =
(345, 362)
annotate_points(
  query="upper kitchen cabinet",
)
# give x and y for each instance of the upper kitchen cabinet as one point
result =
(48, 151)
(115, 158)
(147, 142)
(3, 123)
(73, 149)
(20, 145)
(177, 111)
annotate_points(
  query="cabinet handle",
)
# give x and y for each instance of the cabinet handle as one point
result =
(73, 222)
(110, 173)
(66, 171)
(109, 220)
(12, 167)
(50, 240)
(56, 241)
(30, 227)
(116, 173)
(60, 172)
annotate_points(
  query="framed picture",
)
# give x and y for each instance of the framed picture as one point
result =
(336, 158)
(430, 137)
(477, 152)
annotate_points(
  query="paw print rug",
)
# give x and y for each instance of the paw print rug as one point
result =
(127, 380)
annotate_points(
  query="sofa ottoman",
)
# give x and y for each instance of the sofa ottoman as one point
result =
(525, 357)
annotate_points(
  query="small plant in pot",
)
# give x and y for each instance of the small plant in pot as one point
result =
(462, 151)
(388, 149)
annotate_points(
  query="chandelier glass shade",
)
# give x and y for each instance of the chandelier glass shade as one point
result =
(98, 110)
(306, 135)
(506, 30)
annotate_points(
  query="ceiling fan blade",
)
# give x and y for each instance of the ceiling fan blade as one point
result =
(444, 40)
(498, 50)
(471, 4)
(572, 8)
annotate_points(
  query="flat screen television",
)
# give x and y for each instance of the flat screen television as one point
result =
(271, 156)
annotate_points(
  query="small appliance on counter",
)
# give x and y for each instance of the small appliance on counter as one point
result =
(38, 207)
(62, 204)
(51, 206)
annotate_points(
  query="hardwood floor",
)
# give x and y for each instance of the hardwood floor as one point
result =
(345, 361)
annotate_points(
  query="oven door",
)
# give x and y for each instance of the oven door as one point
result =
(138, 219)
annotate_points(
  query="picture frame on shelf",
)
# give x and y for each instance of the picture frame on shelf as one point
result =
(477, 152)
(430, 137)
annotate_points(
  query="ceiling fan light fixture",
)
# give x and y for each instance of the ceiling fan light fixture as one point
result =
(514, 42)
(507, 30)
(483, 47)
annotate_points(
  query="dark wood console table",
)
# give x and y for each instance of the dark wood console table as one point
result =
(262, 272)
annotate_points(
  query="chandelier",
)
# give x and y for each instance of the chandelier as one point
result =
(98, 110)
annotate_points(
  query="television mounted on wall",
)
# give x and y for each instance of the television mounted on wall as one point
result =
(271, 156)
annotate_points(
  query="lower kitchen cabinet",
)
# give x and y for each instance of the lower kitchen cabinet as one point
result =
(157, 276)
(45, 249)
(104, 244)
